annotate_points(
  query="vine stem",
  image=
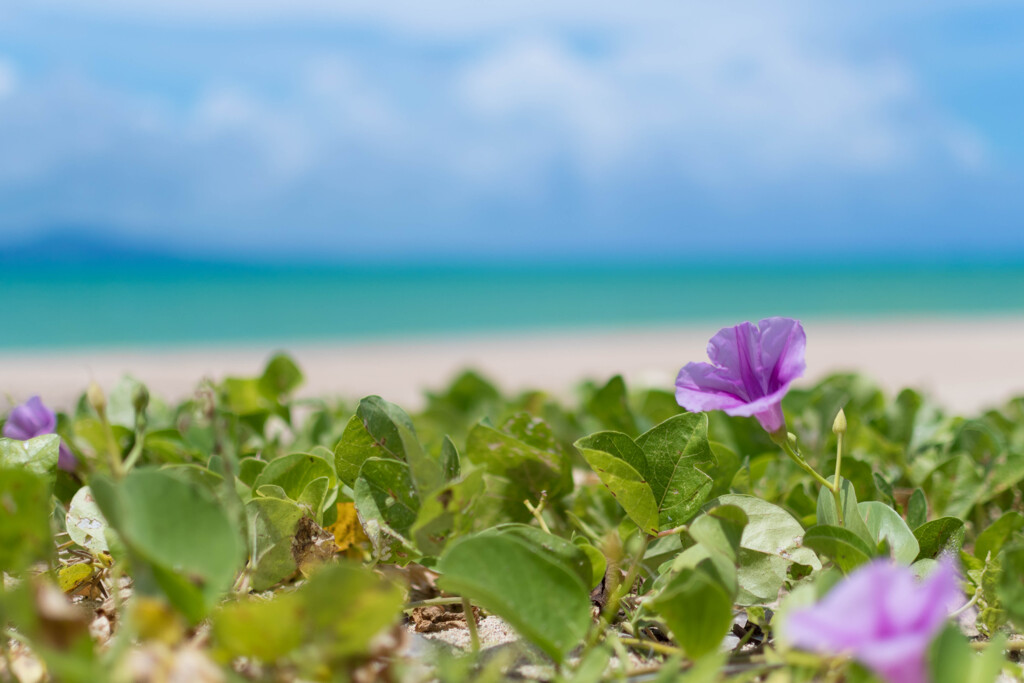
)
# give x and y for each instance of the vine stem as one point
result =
(660, 648)
(432, 601)
(670, 532)
(967, 605)
(835, 485)
(1012, 646)
(782, 439)
(612, 608)
(474, 637)
(536, 511)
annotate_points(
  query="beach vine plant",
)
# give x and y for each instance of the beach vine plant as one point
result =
(249, 534)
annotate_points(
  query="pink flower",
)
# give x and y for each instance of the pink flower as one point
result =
(32, 419)
(750, 371)
(882, 617)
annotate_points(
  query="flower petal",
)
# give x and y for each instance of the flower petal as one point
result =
(882, 616)
(735, 350)
(66, 460)
(782, 344)
(701, 387)
(29, 420)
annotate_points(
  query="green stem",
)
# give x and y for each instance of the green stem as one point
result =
(474, 638)
(782, 439)
(134, 453)
(113, 449)
(654, 646)
(671, 532)
(836, 489)
(1013, 646)
(432, 601)
(612, 608)
(536, 512)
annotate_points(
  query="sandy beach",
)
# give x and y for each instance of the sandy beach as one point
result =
(965, 363)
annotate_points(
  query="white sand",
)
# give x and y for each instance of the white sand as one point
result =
(965, 363)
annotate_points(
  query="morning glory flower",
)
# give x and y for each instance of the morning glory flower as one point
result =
(31, 419)
(750, 371)
(882, 617)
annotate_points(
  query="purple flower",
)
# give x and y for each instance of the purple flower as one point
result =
(750, 371)
(881, 616)
(32, 419)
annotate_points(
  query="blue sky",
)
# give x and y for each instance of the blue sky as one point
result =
(523, 128)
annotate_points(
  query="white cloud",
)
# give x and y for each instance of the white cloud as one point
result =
(723, 101)
(683, 94)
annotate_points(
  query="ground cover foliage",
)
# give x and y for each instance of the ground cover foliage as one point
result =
(244, 534)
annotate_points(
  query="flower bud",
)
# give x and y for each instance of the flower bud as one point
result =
(140, 399)
(97, 399)
(839, 425)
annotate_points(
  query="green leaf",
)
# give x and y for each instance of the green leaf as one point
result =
(598, 562)
(884, 488)
(989, 665)
(263, 629)
(85, 523)
(955, 486)
(312, 616)
(25, 510)
(942, 536)
(379, 429)
(952, 660)
(531, 430)
(842, 546)
(387, 503)
(38, 455)
(884, 523)
(346, 607)
(535, 471)
(760, 576)
(121, 402)
(1011, 582)
(917, 509)
(281, 376)
(245, 397)
(179, 528)
(450, 465)
(614, 458)
(272, 491)
(610, 405)
(447, 513)
(274, 522)
(851, 513)
(720, 530)
(727, 464)
(771, 541)
(294, 472)
(591, 668)
(674, 450)
(992, 539)
(313, 497)
(538, 595)
(567, 554)
(249, 469)
(697, 609)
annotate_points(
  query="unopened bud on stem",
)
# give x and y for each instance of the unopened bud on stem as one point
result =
(140, 399)
(97, 399)
(839, 425)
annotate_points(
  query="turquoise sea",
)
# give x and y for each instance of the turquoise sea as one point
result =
(61, 307)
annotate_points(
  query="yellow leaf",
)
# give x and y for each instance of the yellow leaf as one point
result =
(154, 619)
(347, 530)
(74, 575)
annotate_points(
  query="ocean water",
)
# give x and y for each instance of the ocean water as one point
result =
(185, 304)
